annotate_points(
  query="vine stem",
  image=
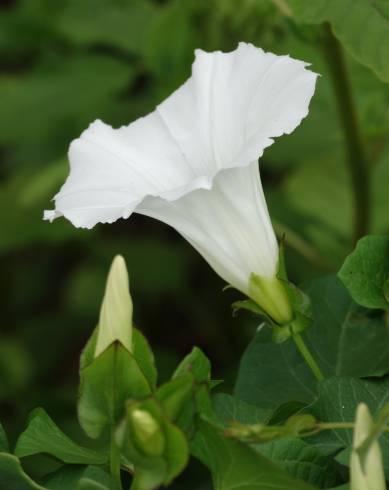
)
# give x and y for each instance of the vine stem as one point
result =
(357, 161)
(115, 461)
(341, 425)
(304, 351)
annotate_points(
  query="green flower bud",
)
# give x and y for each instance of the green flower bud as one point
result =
(115, 323)
(271, 296)
(147, 432)
(366, 473)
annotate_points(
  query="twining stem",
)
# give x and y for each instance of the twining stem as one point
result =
(304, 351)
(341, 425)
(115, 461)
(357, 161)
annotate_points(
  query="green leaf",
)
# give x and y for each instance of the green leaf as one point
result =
(43, 436)
(228, 409)
(95, 478)
(337, 402)
(73, 94)
(362, 26)
(302, 461)
(64, 478)
(79, 478)
(106, 382)
(272, 374)
(4, 446)
(171, 41)
(339, 326)
(365, 272)
(121, 24)
(29, 190)
(295, 456)
(236, 465)
(12, 475)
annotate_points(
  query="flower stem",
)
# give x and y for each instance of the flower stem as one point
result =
(115, 461)
(341, 425)
(357, 161)
(308, 358)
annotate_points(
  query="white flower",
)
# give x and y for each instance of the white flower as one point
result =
(192, 163)
(366, 470)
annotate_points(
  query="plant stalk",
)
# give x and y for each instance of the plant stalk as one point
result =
(356, 155)
(342, 425)
(308, 358)
(115, 461)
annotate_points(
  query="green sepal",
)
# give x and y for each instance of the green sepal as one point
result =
(249, 305)
(176, 394)
(298, 300)
(299, 323)
(271, 295)
(193, 370)
(108, 380)
(159, 459)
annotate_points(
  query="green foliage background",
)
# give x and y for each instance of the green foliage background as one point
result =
(64, 64)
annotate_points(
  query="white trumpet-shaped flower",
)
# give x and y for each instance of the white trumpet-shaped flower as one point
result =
(366, 471)
(192, 163)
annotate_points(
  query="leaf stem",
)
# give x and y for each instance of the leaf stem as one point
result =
(357, 161)
(341, 425)
(115, 461)
(304, 351)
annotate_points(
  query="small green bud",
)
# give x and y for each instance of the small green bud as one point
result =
(271, 296)
(115, 323)
(147, 432)
(366, 473)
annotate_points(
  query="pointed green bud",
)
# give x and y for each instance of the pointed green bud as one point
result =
(147, 432)
(115, 323)
(366, 473)
(270, 294)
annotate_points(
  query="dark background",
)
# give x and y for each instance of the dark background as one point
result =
(64, 64)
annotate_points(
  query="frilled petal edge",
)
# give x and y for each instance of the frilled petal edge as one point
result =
(223, 117)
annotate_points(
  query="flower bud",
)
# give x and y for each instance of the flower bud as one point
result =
(366, 472)
(115, 323)
(147, 432)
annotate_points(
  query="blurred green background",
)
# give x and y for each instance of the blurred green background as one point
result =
(64, 64)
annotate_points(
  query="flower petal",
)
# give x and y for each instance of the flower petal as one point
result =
(224, 116)
(229, 225)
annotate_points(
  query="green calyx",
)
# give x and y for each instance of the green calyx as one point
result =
(285, 307)
(270, 294)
